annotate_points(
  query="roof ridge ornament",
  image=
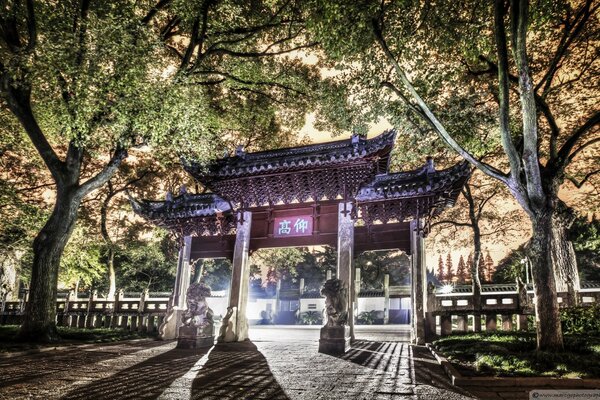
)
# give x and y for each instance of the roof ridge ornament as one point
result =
(357, 138)
(430, 166)
(240, 152)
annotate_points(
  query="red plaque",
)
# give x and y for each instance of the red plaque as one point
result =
(301, 225)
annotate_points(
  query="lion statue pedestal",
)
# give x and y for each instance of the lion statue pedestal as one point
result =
(335, 335)
(198, 328)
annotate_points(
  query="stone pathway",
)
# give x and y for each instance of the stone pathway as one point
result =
(277, 364)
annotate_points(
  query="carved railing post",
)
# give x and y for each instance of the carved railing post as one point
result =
(142, 317)
(114, 321)
(91, 309)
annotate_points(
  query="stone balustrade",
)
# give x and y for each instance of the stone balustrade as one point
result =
(501, 307)
(143, 313)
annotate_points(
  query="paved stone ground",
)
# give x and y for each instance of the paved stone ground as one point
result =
(277, 364)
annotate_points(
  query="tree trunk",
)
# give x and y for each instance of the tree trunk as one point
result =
(475, 277)
(39, 322)
(112, 277)
(476, 283)
(563, 254)
(547, 315)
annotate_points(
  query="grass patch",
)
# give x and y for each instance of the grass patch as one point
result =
(69, 336)
(513, 354)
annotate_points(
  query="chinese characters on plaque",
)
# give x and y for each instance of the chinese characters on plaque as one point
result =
(293, 226)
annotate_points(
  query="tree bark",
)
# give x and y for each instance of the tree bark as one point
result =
(563, 254)
(547, 314)
(475, 281)
(39, 322)
(112, 277)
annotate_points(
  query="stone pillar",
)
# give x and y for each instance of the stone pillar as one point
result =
(431, 307)
(463, 323)
(507, 323)
(182, 279)
(169, 328)
(490, 322)
(345, 257)
(336, 335)
(234, 327)
(446, 324)
(277, 294)
(419, 281)
(66, 317)
(477, 322)
(355, 293)
(386, 298)
(522, 322)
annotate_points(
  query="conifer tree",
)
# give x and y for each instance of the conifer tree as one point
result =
(482, 274)
(489, 267)
(449, 273)
(461, 270)
(440, 270)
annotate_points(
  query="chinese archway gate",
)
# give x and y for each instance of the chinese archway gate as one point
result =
(338, 194)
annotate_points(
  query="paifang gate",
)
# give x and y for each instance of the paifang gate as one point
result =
(339, 194)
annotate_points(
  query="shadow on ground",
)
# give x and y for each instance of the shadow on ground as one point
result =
(236, 371)
(145, 380)
(375, 355)
(22, 372)
(395, 359)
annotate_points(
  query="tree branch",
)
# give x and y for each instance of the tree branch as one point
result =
(484, 202)
(583, 147)
(191, 46)
(531, 162)
(18, 100)
(563, 158)
(569, 36)
(450, 222)
(398, 93)
(28, 189)
(503, 93)
(152, 12)
(82, 27)
(112, 192)
(541, 103)
(251, 54)
(251, 83)
(579, 184)
(430, 117)
(31, 27)
(107, 172)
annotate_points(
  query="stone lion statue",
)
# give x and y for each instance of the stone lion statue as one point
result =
(336, 302)
(198, 313)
